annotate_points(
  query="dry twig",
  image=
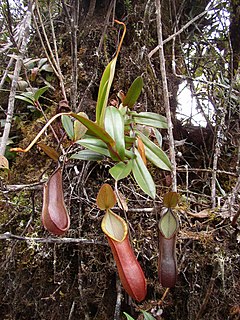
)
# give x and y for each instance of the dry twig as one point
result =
(10, 236)
(166, 95)
(23, 38)
(52, 59)
(173, 36)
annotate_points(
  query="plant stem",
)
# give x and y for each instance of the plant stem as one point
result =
(166, 95)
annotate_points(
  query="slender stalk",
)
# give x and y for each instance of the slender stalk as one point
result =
(11, 101)
(118, 300)
(166, 95)
(40, 133)
(54, 58)
(44, 47)
(10, 236)
(91, 9)
(173, 36)
(45, 35)
(217, 153)
(57, 62)
(74, 32)
(5, 73)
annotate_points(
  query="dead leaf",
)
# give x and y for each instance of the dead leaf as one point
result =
(202, 214)
(141, 150)
(79, 128)
(4, 163)
(121, 201)
(52, 153)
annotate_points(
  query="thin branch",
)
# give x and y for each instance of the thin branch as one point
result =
(5, 73)
(235, 219)
(53, 36)
(207, 170)
(106, 22)
(54, 61)
(217, 153)
(44, 48)
(217, 150)
(173, 36)
(73, 24)
(71, 311)
(208, 294)
(166, 95)
(91, 9)
(10, 236)
(9, 24)
(221, 85)
(46, 37)
(20, 187)
(25, 25)
(56, 55)
(118, 300)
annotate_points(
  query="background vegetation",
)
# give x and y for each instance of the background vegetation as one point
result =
(65, 46)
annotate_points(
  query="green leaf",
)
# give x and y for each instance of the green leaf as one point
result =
(104, 89)
(133, 92)
(128, 316)
(87, 155)
(155, 154)
(147, 316)
(158, 136)
(114, 125)
(95, 129)
(121, 170)
(25, 99)
(30, 63)
(129, 154)
(151, 115)
(40, 92)
(68, 126)
(41, 62)
(95, 145)
(106, 82)
(150, 119)
(129, 141)
(168, 224)
(153, 158)
(46, 67)
(143, 176)
(123, 110)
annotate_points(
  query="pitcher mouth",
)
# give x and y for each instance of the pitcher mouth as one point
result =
(114, 226)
